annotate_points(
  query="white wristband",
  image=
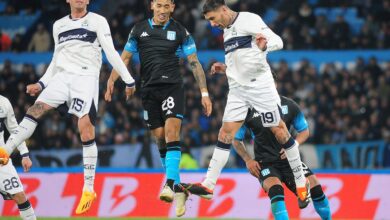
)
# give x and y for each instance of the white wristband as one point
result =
(205, 94)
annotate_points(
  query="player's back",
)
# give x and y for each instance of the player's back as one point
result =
(267, 147)
(158, 48)
(245, 61)
(78, 50)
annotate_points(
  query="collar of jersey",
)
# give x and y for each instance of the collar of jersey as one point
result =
(151, 23)
(70, 17)
(235, 19)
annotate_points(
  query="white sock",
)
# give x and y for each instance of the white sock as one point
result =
(217, 163)
(24, 131)
(90, 154)
(294, 159)
(26, 211)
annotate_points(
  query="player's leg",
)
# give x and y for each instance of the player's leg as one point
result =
(292, 152)
(83, 102)
(266, 100)
(159, 137)
(235, 112)
(51, 97)
(271, 183)
(25, 208)
(320, 200)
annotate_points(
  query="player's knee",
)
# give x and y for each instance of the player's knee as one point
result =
(37, 110)
(281, 133)
(171, 134)
(19, 198)
(225, 136)
(276, 193)
(87, 130)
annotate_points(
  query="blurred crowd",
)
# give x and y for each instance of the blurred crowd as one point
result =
(341, 105)
(298, 22)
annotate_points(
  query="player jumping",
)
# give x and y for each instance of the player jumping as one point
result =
(158, 41)
(247, 40)
(73, 78)
(10, 185)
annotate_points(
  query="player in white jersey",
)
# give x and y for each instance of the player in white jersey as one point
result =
(247, 40)
(72, 78)
(11, 187)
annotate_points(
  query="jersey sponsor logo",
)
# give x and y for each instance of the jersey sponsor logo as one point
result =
(284, 109)
(144, 34)
(171, 35)
(265, 172)
(77, 34)
(237, 43)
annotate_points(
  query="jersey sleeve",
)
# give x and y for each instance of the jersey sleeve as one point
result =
(11, 124)
(256, 25)
(51, 70)
(105, 40)
(240, 134)
(132, 43)
(299, 122)
(188, 46)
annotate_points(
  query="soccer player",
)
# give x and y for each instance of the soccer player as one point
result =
(159, 40)
(271, 168)
(11, 187)
(72, 78)
(247, 40)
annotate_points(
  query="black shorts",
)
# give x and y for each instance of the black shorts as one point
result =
(162, 102)
(283, 172)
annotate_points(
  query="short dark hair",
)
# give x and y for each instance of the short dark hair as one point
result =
(211, 5)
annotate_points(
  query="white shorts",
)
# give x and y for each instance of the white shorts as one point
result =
(10, 183)
(79, 92)
(264, 98)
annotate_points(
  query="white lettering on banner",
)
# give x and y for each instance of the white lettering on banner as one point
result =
(378, 189)
(117, 198)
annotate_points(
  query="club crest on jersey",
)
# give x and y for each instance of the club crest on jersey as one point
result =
(171, 35)
(84, 24)
(284, 109)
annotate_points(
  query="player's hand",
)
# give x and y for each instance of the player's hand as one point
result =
(261, 42)
(109, 91)
(33, 89)
(283, 154)
(129, 92)
(253, 167)
(26, 163)
(207, 105)
(218, 68)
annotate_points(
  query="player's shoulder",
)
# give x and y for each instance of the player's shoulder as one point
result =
(4, 101)
(61, 21)
(249, 15)
(96, 17)
(287, 101)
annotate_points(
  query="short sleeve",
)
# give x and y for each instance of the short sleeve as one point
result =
(299, 122)
(132, 43)
(240, 134)
(188, 45)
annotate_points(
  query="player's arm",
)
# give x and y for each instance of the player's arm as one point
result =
(36, 88)
(11, 124)
(266, 39)
(189, 49)
(105, 40)
(239, 145)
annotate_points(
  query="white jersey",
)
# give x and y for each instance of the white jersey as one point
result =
(78, 48)
(8, 120)
(245, 61)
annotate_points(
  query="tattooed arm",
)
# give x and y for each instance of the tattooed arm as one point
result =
(200, 77)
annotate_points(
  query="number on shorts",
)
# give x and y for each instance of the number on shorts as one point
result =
(168, 103)
(11, 183)
(267, 117)
(77, 104)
